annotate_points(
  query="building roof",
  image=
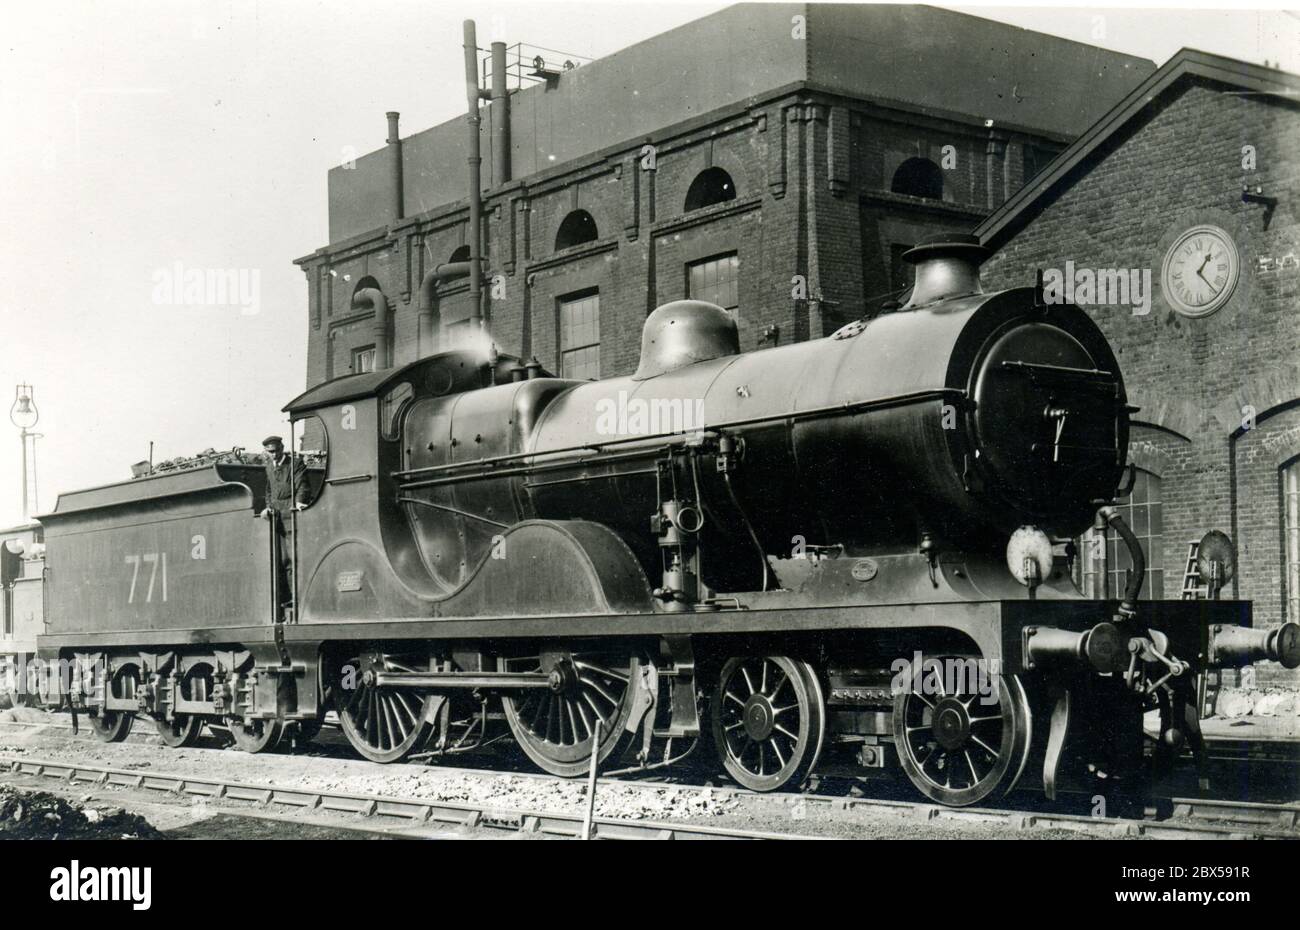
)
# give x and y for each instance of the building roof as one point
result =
(1116, 125)
(914, 58)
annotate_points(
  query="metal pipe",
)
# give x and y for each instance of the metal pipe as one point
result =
(374, 299)
(1128, 606)
(447, 271)
(1101, 562)
(395, 165)
(500, 116)
(473, 122)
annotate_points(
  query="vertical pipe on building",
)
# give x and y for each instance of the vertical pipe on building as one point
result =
(374, 299)
(395, 164)
(500, 116)
(473, 122)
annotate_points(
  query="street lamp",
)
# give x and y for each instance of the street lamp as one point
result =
(24, 415)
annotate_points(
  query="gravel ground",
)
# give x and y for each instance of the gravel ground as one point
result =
(499, 791)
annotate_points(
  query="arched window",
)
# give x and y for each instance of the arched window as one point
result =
(918, 177)
(578, 227)
(460, 255)
(712, 185)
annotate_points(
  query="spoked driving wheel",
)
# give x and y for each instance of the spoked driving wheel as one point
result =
(555, 725)
(769, 720)
(113, 726)
(962, 736)
(185, 729)
(383, 724)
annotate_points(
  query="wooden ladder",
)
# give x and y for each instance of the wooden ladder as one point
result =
(1193, 590)
(1208, 682)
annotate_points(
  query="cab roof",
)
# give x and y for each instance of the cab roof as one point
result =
(462, 364)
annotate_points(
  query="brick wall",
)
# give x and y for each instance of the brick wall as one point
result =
(1179, 164)
(811, 172)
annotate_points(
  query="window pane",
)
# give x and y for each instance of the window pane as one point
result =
(580, 337)
(363, 360)
(716, 280)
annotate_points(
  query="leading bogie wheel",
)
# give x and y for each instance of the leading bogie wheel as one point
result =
(113, 726)
(555, 726)
(962, 733)
(769, 720)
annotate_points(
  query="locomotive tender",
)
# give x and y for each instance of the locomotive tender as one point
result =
(846, 521)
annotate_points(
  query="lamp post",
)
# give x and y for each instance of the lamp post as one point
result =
(24, 415)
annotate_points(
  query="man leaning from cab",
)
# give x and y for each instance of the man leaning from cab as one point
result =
(286, 479)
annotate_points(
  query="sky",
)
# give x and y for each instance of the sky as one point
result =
(147, 139)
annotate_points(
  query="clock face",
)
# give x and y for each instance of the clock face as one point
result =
(1200, 271)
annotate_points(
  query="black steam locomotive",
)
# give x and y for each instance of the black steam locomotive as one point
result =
(861, 542)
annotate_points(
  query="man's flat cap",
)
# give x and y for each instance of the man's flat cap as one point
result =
(270, 440)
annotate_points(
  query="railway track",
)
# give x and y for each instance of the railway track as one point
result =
(1192, 818)
(414, 811)
(1182, 816)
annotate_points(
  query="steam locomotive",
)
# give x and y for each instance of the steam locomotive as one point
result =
(858, 543)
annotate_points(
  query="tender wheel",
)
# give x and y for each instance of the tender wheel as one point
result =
(554, 725)
(957, 745)
(113, 726)
(383, 724)
(255, 735)
(185, 729)
(769, 721)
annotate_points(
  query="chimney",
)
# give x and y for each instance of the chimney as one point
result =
(473, 122)
(500, 117)
(395, 164)
(947, 265)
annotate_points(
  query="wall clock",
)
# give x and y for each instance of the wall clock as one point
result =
(1200, 270)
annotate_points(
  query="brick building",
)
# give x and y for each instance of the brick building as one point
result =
(797, 151)
(1157, 185)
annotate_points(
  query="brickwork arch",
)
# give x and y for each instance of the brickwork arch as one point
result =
(1269, 393)
(1166, 412)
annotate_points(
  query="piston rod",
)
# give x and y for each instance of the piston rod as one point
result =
(507, 680)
